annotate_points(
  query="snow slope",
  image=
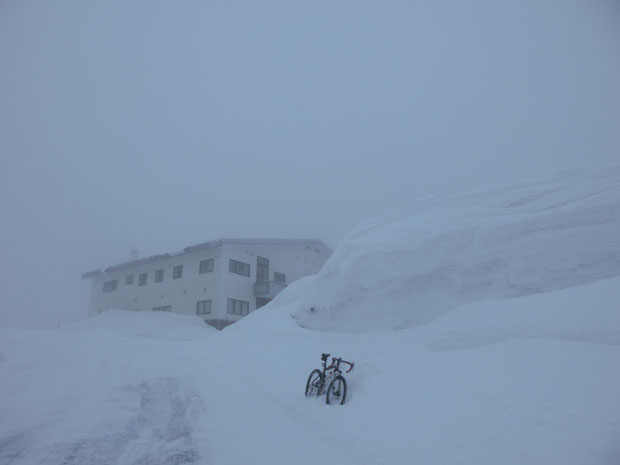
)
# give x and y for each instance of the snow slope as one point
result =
(529, 380)
(410, 266)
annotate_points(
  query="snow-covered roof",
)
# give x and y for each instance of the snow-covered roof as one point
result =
(224, 242)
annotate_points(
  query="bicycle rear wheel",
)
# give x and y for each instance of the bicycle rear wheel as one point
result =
(314, 383)
(337, 391)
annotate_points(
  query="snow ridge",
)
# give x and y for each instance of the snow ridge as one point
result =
(409, 267)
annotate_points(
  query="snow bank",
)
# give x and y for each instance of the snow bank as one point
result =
(409, 267)
(526, 380)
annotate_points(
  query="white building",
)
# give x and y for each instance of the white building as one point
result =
(221, 281)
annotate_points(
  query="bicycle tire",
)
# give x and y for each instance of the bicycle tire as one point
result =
(314, 385)
(336, 391)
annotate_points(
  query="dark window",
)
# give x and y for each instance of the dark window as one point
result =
(238, 307)
(206, 266)
(110, 286)
(261, 302)
(165, 308)
(203, 307)
(159, 276)
(239, 268)
(262, 269)
(177, 272)
(279, 277)
(129, 279)
(142, 279)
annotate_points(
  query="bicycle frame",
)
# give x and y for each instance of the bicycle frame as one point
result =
(331, 371)
(329, 380)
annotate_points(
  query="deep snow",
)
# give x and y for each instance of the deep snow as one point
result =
(506, 352)
(410, 266)
(531, 380)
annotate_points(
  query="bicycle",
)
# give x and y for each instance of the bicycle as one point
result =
(330, 376)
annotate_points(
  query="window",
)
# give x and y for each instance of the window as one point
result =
(129, 279)
(142, 279)
(279, 277)
(262, 270)
(238, 307)
(177, 272)
(110, 286)
(206, 266)
(203, 307)
(159, 276)
(239, 267)
(165, 308)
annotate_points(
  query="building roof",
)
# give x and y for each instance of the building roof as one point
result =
(202, 247)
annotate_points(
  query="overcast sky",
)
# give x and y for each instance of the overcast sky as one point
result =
(161, 124)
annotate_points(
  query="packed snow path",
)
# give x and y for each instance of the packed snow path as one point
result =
(155, 429)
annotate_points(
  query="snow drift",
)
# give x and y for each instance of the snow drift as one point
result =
(411, 266)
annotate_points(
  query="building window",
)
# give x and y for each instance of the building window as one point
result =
(159, 276)
(165, 308)
(129, 279)
(262, 269)
(238, 307)
(203, 307)
(142, 279)
(206, 266)
(279, 277)
(177, 272)
(239, 268)
(110, 286)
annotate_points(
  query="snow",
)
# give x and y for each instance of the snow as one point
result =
(411, 266)
(506, 351)
(529, 380)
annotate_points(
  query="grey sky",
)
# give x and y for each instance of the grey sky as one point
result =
(161, 124)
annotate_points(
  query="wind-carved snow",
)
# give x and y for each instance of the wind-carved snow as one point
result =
(409, 267)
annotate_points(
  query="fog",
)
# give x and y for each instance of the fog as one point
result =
(161, 124)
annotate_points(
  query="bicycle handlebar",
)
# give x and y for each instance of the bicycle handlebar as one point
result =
(337, 361)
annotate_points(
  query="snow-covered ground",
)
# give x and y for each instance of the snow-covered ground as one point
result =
(531, 380)
(485, 329)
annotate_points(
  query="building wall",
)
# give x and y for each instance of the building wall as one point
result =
(182, 294)
(294, 260)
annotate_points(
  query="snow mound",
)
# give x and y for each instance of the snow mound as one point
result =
(411, 266)
(163, 325)
(585, 313)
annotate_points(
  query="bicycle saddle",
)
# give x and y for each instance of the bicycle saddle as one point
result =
(324, 357)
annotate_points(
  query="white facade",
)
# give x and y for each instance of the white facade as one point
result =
(221, 281)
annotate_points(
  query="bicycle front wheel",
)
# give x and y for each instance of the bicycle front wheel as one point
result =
(336, 391)
(314, 383)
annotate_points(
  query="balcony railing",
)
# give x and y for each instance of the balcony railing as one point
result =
(268, 289)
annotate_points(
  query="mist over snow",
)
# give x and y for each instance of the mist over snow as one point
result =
(484, 322)
(412, 265)
(155, 124)
(518, 287)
